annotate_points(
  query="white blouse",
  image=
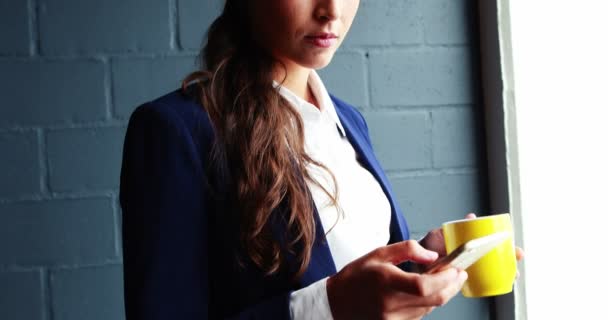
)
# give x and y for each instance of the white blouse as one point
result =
(363, 222)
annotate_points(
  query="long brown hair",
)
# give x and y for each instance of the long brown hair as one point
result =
(260, 137)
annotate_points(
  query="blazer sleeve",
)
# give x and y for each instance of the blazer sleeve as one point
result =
(165, 224)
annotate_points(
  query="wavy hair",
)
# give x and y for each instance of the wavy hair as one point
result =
(259, 137)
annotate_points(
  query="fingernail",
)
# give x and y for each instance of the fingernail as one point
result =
(432, 254)
(463, 276)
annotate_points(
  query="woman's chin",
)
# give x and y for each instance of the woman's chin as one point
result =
(319, 61)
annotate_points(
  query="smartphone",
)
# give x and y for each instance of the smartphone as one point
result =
(468, 253)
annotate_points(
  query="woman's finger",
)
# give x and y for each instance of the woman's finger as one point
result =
(434, 241)
(438, 292)
(442, 297)
(409, 250)
(519, 253)
(470, 216)
(422, 285)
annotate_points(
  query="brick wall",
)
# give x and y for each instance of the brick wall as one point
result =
(72, 71)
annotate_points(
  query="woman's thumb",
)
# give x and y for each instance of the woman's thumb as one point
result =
(409, 250)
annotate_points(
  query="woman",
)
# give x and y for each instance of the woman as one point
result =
(253, 193)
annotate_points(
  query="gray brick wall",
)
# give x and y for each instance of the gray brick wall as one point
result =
(72, 71)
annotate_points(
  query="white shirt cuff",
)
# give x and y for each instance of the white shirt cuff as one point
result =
(310, 303)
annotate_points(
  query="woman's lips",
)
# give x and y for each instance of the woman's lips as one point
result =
(322, 40)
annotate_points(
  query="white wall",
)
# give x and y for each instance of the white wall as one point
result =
(560, 56)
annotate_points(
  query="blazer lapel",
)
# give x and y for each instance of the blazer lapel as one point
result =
(398, 227)
(321, 261)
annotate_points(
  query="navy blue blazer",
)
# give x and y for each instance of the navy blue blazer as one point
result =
(178, 251)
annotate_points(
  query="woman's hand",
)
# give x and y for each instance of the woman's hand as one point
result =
(434, 241)
(373, 287)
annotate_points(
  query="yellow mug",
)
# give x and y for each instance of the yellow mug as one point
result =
(493, 274)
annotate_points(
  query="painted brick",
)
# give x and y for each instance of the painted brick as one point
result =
(461, 308)
(14, 27)
(422, 77)
(91, 26)
(21, 295)
(401, 140)
(19, 168)
(344, 77)
(454, 137)
(57, 232)
(41, 93)
(136, 39)
(428, 201)
(386, 22)
(94, 293)
(136, 81)
(447, 21)
(195, 17)
(97, 165)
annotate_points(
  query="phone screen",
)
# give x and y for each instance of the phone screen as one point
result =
(468, 253)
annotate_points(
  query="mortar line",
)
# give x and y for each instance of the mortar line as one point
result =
(117, 227)
(174, 43)
(34, 30)
(367, 77)
(43, 163)
(108, 88)
(48, 299)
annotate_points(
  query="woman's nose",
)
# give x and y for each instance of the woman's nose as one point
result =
(328, 10)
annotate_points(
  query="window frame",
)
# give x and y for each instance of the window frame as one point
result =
(501, 136)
